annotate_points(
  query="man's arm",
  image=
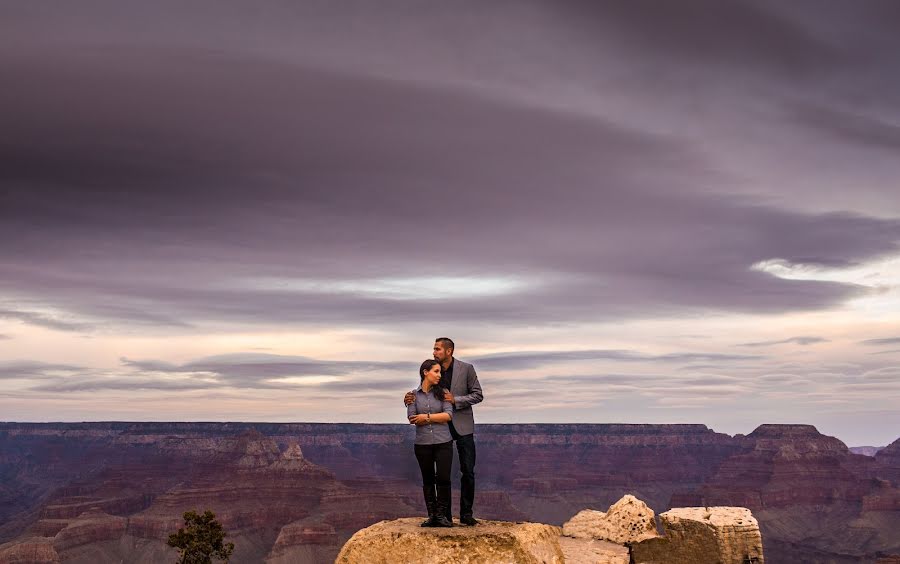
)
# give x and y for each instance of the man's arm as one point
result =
(474, 387)
(411, 410)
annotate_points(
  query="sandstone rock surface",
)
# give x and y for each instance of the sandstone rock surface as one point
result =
(490, 542)
(704, 535)
(592, 551)
(628, 520)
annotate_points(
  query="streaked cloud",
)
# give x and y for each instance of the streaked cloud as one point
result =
(882, 341)
(803, 341)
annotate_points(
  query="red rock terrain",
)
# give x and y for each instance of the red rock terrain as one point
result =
(108, 492)
(888, 460)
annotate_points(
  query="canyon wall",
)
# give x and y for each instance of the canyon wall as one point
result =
(296, 492)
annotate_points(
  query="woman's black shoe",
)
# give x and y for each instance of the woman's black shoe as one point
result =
(442, 507)
(430, 505)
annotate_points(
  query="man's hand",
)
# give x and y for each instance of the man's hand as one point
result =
(418, 420)
(409, 398)
(449, 397)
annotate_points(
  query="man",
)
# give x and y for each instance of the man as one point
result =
(460, 381)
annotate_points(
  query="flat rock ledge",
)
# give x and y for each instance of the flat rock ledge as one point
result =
(489, 542)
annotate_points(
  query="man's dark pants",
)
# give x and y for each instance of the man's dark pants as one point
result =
(465, 447)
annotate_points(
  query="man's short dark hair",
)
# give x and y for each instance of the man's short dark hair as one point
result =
(446, 342)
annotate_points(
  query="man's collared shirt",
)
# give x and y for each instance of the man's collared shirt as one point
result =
(447, 376)
(430, 433)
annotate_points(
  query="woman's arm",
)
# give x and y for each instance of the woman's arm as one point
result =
(445, 415)
(441, 417)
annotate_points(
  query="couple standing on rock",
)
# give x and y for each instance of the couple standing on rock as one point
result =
(441, 410)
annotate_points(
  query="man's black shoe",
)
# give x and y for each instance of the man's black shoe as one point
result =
(441, 521)
(428, 522)
(468, 520)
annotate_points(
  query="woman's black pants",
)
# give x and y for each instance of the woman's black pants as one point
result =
(435, 462)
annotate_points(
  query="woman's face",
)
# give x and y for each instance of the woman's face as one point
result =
(433, 374)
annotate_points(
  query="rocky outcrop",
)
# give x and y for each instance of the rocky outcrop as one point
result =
(629, 520)
(703, 535)
(885, 497)
(304, 541)
(35, 550)
(254, 486)
(499, 542)
(888, 462)
(693, 535)
(90, 527)
(303, 533)
(784, 465)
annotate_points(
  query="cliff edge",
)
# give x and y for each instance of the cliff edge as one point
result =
(624, 534)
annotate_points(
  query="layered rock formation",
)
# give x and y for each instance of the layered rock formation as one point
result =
(256, 491)
(32, 550)
(888, 462)
(813, 498)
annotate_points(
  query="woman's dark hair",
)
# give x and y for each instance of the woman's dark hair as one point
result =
(438, 391)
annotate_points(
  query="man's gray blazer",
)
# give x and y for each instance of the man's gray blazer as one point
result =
(467, 392)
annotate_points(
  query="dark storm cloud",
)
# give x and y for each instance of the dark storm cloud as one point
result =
(114, 383)
(880, 342)
(703, 32)
(241, 371)
(153, 173)
(525, 360)
(851, 125)
(792, 340)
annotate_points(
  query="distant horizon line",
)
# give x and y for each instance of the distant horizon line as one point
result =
(557, 424)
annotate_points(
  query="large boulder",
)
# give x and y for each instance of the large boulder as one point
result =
(703, 535)
(490, 542)
(627, 521)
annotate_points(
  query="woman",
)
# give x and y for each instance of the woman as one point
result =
(430, 413)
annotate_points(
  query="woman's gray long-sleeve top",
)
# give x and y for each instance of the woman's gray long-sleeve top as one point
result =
(430, 433)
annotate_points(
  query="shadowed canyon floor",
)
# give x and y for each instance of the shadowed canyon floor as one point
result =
(105, 492)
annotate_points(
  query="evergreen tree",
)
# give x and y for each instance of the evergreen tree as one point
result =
(201, 539)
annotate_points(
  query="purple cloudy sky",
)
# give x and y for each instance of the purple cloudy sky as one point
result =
(622, 211)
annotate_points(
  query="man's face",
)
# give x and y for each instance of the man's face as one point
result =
(440, 353)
